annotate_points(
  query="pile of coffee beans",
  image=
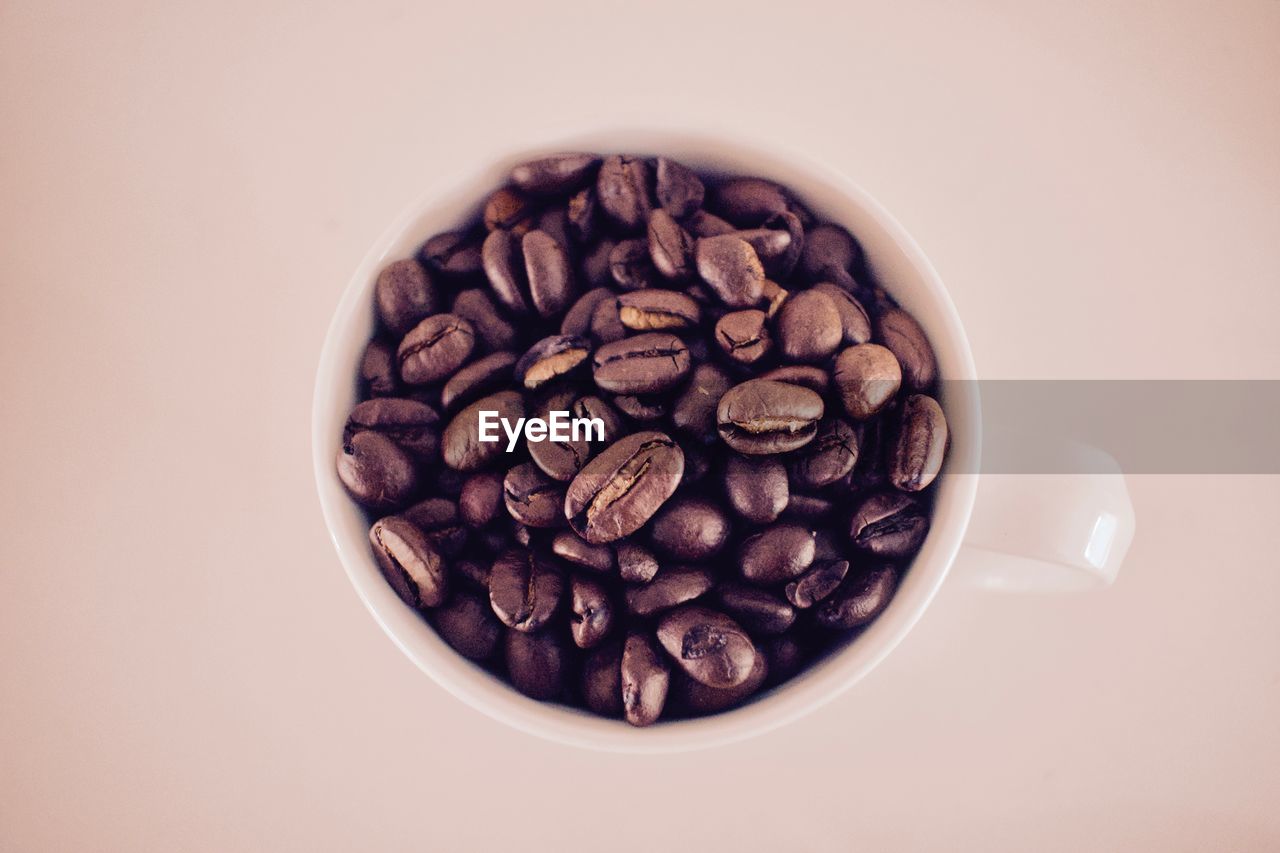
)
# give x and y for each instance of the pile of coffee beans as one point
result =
(769, 436)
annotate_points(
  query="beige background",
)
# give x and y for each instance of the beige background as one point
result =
(183, 192)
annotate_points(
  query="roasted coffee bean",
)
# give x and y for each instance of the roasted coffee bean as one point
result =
(756, 487)
(710, 647)
(657, 310)
(623, 188)
(409, 562)
(809, 328)
(759, 611)
(555, 174)
(596, 268)
(476, 379)
(377, 472)
(631, 266)
(811, 509)
(744, 336)
(602, 680)
(808, 376)
(703, 224)
(532, 498)
(670, 587)
(508, 210)
(700, 699)
(640, 408)
(538, 664)
(453, 254)
(680, 190)
(524, 589)
(636, 563)
(920, 444)
(410, 424)
(461, 446)
(581, 215)
(826, 546)
(577, 320)
(827, 249)
(867, 376)
(731, 269)
(554, 222)
(435, 348)
(478, 309)
(817, 583)
(438, 519)
(481, 499)
(695, 409)
(521, 535)
(562, 460)
(776, 554)
(858, 600)
(572, 548)
(606, 322)
(549, 273)
(467, 624)
(591, 611)
(830, 456)
(889, 524)
(405, 296)
(747, 202)
(379, 375)
(690, 528)
(780, 264)
(641, 364)
(503, 258)
(622, 487)
(761, 416)
(855, 325)
(771, 245)
(900, 332)
(645, 679)
(550, 358)
(670, 246)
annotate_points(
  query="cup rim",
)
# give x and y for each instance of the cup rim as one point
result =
(819, 684)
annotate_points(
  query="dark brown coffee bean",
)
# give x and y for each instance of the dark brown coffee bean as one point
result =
(731, 269)
(855, 325)
(549, 273)
(670, 587)
(623, 189)
(555, 174)
(694, 410)
(379, 375)
(503, 258)
(622, 487)
(640, 408)
(808, 376)
(827, 249)
(656, 310)
(524, 589)
(747, 202)
(467, 624)
(478, 309)
(710, 647)
(377, 472)
(435, 348)
(690, 528)
(551, 358)
(889, 524)
(592, 612)
(409, 562)
(696, 462)
(760, 612)
(606, 322)
(867, 376)
(900, 332)
(744, 336)
(858, 600)
(700, 699)
(809, 328)
(602, 680)
(645, 678)
(453, 254)
(476, 379)
(761, 416)
(410, 424)
(810, 509)
(532, 498)
(826, 546)
(641, 364)
(780, 264)
(817, 583)
(756, 487)
(636, 563)
(538, 664)
(461, 446)
(437, 518)
(703, 224)
(596, 267)
(577, 320)
(562, 460)
(405, 296)
(830, 456)
(778, 553)
(670, 246)
(508, 210)
(631, 267)
(582, 216)
(481, 499)
(572, 548)
(680, 191)
(522, 535)
(920, 444)
(770, 244)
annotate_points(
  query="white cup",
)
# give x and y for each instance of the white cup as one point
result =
(1027, 533)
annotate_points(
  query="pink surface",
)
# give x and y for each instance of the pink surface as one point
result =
(185, 193)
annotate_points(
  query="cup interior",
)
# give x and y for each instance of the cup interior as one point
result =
(899, 266)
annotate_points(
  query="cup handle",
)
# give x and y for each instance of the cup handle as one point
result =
(1049, 532)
